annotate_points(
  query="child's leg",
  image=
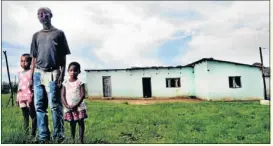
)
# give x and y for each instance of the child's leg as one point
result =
(33, 116)
(81, 130)
(73, 129)
(25, 112)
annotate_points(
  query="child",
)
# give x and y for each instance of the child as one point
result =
(73, 95)
(25, 95)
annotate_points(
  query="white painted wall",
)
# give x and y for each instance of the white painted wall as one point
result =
(201, 80)
(129, 83)
(119, 83)
(159, 88)
(218, 82)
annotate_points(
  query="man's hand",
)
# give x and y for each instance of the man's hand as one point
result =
(60, 78)
(60, 81)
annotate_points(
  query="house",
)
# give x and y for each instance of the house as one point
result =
(207, 79)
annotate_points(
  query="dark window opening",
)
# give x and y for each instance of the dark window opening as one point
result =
(235, 82)
(173, 82)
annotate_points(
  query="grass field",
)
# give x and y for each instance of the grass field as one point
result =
(203, 122)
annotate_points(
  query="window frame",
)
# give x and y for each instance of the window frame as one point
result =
(179, 82)
(231, 85)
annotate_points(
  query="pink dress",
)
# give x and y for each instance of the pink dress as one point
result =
(24, 94)
(72, 97)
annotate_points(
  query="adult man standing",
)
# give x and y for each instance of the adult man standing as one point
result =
(48, 51)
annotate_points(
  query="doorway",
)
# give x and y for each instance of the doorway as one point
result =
(147, 90)
(106, 83)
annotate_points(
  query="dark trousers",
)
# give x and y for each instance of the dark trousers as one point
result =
(81, 129)
(30, 112)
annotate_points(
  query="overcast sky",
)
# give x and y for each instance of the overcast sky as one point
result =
(124, 34)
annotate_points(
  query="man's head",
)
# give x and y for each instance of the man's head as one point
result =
(44, 15)
(25, 61)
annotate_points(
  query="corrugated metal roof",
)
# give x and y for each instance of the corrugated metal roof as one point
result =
(211, 59)
(172, 67)
(137, 68)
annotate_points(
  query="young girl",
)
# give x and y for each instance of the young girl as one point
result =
(25, 95)
(73, 95)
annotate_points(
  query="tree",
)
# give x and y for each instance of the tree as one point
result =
(5, 89)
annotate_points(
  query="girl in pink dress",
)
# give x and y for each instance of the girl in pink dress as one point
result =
(73, 95)
(25, 95)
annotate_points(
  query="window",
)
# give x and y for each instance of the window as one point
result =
(172, 82)
(235, 82)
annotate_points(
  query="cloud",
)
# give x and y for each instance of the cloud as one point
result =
(114, 30)
(104, 34)
(219, 37)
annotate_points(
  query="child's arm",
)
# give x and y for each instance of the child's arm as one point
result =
(17, 99)
(64, 99)
(82, 96)
(17, 94)
(18, 88)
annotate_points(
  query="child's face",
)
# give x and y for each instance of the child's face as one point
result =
(73, 71)
(24, 62)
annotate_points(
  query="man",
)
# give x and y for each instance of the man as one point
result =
(48, 51)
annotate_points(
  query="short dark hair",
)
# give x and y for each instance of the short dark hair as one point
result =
(45, 9)
(78, 66)
(27, 56)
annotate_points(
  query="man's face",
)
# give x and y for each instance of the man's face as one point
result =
(44, 17)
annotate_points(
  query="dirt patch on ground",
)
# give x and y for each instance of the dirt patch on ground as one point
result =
(146, 101)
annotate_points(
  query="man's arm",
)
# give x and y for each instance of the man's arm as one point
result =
(33, 55)
(32, 69)
(32, 66)
(62, 71)
(64, 51)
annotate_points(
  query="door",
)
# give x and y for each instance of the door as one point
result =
(107, 91)
(147, 90)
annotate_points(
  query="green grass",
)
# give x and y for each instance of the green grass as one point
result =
(205, 122)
